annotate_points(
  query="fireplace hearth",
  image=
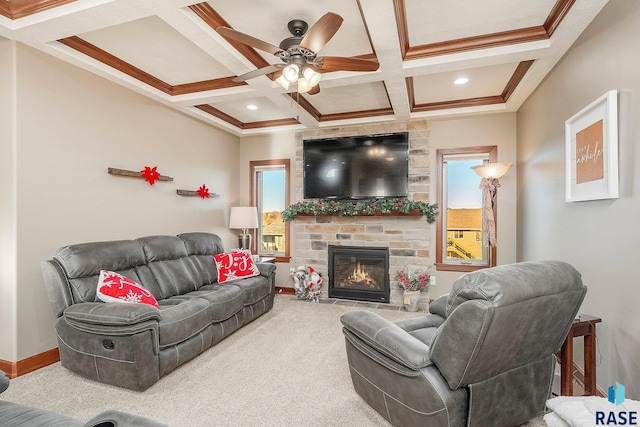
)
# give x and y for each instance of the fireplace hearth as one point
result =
(359, 273)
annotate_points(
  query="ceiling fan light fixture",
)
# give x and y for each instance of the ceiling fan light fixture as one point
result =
(290, 73)
(283, 82)
(303, 85)
(312, 77)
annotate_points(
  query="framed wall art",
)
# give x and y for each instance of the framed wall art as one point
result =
(591, 139)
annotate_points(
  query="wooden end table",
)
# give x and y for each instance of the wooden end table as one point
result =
(585, 327)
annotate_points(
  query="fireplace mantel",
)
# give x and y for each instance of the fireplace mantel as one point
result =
(415, 212)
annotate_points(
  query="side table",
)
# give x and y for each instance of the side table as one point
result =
(584, 326)
(269, 259)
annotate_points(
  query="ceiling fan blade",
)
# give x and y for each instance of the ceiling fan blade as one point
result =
(248, 40)
(321, 32)
(339, 63)
(259, 72)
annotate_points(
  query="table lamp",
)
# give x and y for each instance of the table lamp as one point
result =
(244, 218)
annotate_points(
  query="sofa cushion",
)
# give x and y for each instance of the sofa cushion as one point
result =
(182, 318)
(200, 248)
(253, 289)
(235, 265)
(83, 262)
(114, 287)
(162, 248)
(169, 271)
(225, 301)
(202, 243)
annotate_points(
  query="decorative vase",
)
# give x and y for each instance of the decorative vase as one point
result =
(411, 300)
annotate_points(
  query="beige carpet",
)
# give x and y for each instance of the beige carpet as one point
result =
(287, 368)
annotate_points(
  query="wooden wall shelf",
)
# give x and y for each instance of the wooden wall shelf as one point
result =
(134, 174)
(191, 193)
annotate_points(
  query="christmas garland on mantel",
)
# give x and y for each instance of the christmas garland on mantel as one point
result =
(362, 207)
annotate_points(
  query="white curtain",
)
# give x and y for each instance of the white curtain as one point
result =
(488, 187)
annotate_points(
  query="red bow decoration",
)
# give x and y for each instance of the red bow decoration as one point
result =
(203, 192)
(151, 175)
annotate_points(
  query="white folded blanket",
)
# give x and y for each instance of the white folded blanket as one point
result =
(580, 411)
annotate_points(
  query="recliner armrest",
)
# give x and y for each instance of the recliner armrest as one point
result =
(439, 306)
(387, 338)
(111, 314)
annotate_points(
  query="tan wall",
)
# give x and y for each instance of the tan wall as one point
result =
(72, 126)
(597, 237)
(7, 201)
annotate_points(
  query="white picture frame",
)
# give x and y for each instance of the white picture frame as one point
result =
(591, 143)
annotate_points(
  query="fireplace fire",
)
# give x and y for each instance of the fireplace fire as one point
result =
(359, 273)
(359, 278)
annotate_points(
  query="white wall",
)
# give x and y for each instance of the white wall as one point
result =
(266, 147)
(483, 130)
(72, 126)
(600, 238)
(7, 201)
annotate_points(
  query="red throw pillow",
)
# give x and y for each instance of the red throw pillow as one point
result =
(235, 265)
(114, 287)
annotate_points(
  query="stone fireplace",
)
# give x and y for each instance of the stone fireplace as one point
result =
(406, 237)
(359, 273)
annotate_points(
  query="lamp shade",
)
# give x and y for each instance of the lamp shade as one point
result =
(491, 170)
(243, 217)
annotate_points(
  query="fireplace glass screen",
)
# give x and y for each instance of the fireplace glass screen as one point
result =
(359, 273)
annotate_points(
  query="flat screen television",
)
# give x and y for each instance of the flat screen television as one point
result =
(357, 167)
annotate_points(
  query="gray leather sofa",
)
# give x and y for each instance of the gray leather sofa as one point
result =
(483, 357)
(17, 415)
(134, 345)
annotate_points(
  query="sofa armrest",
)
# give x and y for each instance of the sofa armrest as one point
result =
(387, 338)
(4, 381)
(111, 314)
(266, 268)
(117, 418)
(57, 286)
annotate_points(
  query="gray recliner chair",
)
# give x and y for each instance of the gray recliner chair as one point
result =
(483, 357)
(17, 415)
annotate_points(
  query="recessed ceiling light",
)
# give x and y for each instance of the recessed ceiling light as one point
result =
(461, 80)
(252, 107)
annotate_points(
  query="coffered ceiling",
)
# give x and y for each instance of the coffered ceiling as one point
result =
(169, 50)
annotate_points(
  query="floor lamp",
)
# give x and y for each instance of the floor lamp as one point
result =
(244, 218)
(490, 173)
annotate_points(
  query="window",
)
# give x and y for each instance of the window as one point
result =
(459, 224)
(269, 187)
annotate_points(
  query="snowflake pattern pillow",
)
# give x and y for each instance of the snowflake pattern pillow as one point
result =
(235, 265)
(114, 287)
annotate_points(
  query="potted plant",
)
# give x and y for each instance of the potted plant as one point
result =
(413, 283)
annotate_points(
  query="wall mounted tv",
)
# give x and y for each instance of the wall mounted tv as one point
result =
(356, 167)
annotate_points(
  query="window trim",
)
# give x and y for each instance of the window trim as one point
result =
(253, 165)
(492, 151)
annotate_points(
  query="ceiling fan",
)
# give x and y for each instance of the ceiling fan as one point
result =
(299, 53)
